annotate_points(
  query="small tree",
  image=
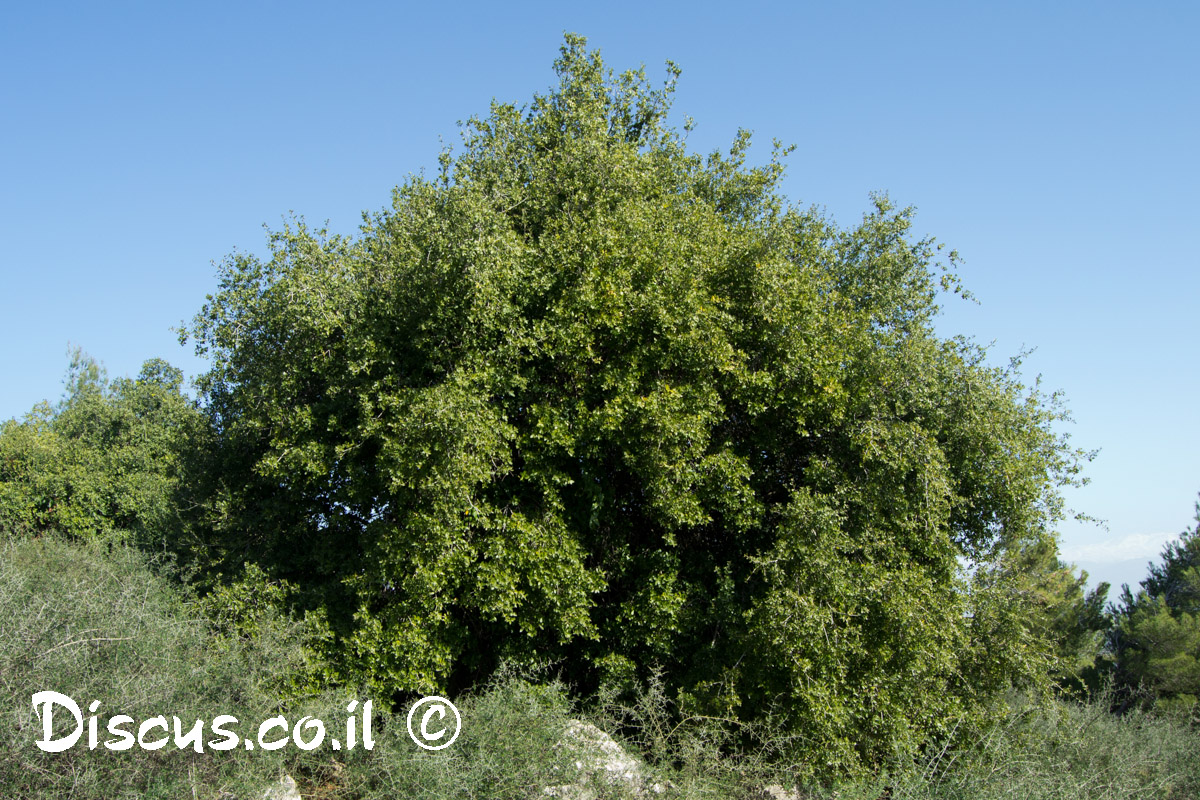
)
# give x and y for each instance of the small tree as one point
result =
(1156, 639)
(106, 459)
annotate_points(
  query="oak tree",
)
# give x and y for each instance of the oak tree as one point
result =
(587, 396)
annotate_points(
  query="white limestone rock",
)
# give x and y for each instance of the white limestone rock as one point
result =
(284, 790)
(598, 760)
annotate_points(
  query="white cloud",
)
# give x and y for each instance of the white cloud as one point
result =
(1146, 546)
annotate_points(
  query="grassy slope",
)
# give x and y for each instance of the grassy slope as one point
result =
(95, 622)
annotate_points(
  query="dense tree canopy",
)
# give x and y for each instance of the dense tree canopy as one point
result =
(104, 461)
(588, 396)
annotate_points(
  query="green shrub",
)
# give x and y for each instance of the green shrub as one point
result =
(507, 749)
(1064, 751)
(93, 622)
(104, 461)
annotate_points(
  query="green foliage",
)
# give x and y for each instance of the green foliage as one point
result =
(510, 747)
(1034, 597)
(588, 396)
(1058, 752)
(105, 460)
(1156, 638)
(93, 622)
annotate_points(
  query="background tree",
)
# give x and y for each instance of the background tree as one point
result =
(1029, 592)
(1156, 638)
(588, 396)
(104, 461)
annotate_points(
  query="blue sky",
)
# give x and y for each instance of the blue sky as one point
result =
(1053, 145)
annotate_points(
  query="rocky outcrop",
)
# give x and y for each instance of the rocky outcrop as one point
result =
(599, 761)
